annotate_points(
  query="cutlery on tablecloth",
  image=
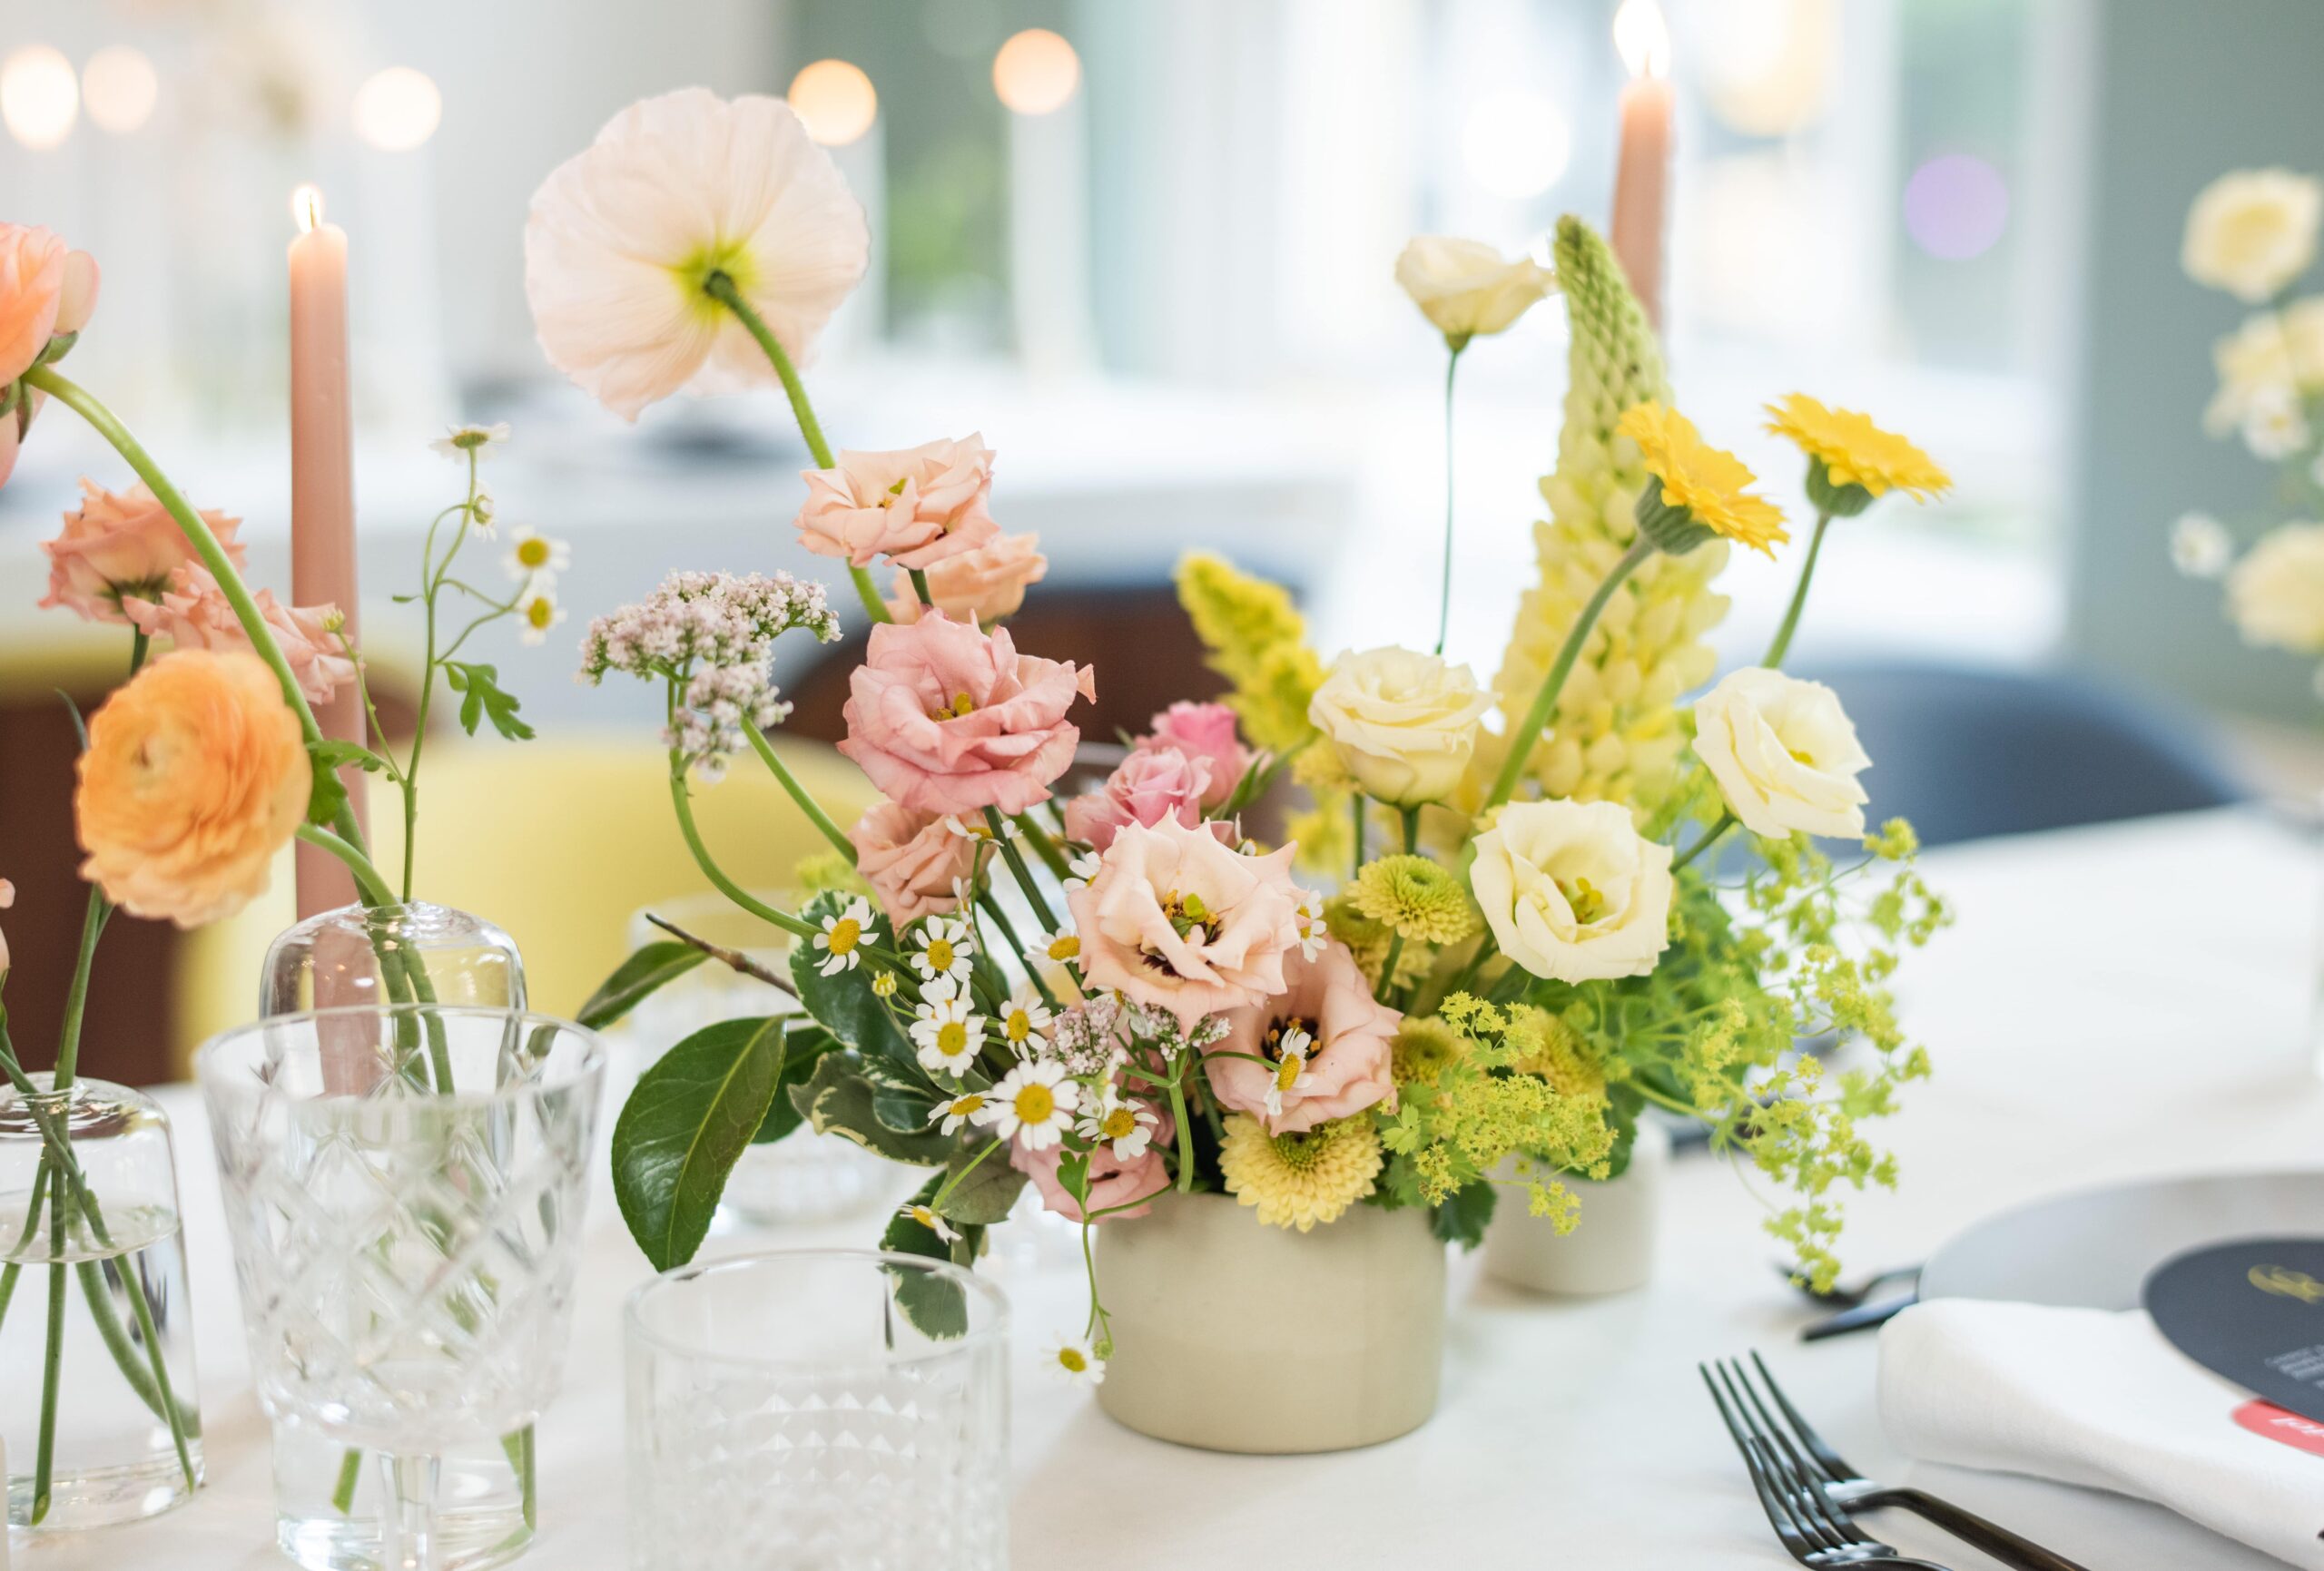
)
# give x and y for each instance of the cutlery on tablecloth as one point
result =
(1840, 1296)
(1861, 1317)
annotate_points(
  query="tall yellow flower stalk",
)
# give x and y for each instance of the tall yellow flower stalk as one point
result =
(1616, 736)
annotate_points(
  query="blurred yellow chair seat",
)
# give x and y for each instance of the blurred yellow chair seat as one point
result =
(556, 841)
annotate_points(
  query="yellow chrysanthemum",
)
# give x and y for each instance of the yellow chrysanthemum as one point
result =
(1855, 452)
(1300, 1180)
(1423, 1050)
(1369, 942)
(1710, 483)
(1548, 1047)
(1416, 897)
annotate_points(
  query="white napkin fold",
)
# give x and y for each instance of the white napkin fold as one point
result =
(2098, 1399)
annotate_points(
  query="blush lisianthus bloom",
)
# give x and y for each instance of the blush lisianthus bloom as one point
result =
(1710, 484)
(195, 775)
(1303, 1179)
(47, 288)
(948, 719)
(1178, 921)
(2252, 231)
(121, 544)
(193, 612)
(2276, 593)
(1330, 1046)
(1572, 891)
(1464, 287)
(1784, 754)
(1114, 1180)
(1404, 724)
(982, 586)
(624, 239)
(1852, 451)
(1205, 732)
(913, 860)
(918, 506)
(1150, 785)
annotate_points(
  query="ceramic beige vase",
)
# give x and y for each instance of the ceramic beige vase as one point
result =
(1613, 1249)
(1199, 1291)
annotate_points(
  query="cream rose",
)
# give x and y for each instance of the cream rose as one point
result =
(2276, 593)
(2252, 231)
(2303, 334)
(1465, 287)
(1404, 724)
(2256, 368)
(1572, 891)
(1783, 752)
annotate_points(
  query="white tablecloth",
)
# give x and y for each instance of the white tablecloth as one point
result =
(2119, 1001)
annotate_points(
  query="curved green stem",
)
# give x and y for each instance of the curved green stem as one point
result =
(1545, 702)
(936, 1204)
(1185, 1131)
(919, 584)
(1019, 871)
(368, 879)
(1444, 595)
(1008, 934)
(798, 794)
(1782, 645)
(1726, 823)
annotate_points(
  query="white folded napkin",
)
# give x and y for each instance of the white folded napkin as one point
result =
(2098, 1399)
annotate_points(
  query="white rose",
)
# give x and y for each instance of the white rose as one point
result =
(1783, 752)
(1404, 724)
(2252, 231)
(2255, 368)
(1465, 287)
(2276, 593)
(1572, 891)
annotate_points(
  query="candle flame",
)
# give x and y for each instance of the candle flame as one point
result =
(306, 208)
(1642, 38)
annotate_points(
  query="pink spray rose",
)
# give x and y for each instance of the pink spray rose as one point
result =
(1151, 785)
(918, 506)
(911, 859)
(1113, 1180)
(193, 612)
(1326, 1012)
(1205, 732)
(1176, 920)
(123, 545)
(945, 718)
(982, 586)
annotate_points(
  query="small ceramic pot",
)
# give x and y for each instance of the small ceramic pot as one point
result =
(1203, 1355)
(1612, 1251)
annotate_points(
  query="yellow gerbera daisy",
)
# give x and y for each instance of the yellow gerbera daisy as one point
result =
(1300, 1180)
(1710, 485)
(1855, 452)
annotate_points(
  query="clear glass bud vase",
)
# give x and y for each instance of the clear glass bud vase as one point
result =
(330, 1500)
(97, 1397)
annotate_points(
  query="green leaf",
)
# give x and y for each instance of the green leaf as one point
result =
(933, 1303)
(483, 699)
(643, 974)
(1462, 1219)
(683, 1128)
(337, 754)
(845, 1003)
(837, 1100)
(326, 796)
(803, 1049)
(985, 1195)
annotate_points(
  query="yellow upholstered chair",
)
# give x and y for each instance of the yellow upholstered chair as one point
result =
(556, 841)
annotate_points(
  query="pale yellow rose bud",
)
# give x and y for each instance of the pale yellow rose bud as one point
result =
(1784, 754)
(1402, 724)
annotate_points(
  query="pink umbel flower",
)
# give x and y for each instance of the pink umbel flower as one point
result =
(1205, 732)
(945, 718)
(1176, 920)
(982, 586)
(1152, 784)
(917, 507)
(193, 612)
(914, 861)
(123, 545)
(1113, 1180)
(46, 288)
(1331, 1043)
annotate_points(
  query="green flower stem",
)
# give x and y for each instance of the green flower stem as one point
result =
(1444, 595)
(374, 883)
(944, 1191)
(798, 794)
(1018, 871)
(1726, 823)
(1545, 702)
(432, 576)
(1186, 1135)
(350, 1476)
(919, 584)
(1043, 847)
(76, 996)
(1008, 932)
(1388, 967)
(1357, 866)
(684, 802)
(1412, 829)
(51, 1372)
(721, 288)
(1782, 643)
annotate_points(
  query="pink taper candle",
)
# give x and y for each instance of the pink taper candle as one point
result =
(322, 491)
(1642, 174)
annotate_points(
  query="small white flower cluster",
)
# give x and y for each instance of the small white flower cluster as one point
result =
(1086, 1038)
(712, 636)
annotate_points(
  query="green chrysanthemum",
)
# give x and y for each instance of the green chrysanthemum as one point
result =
(1416, 897)
(1300, 1180)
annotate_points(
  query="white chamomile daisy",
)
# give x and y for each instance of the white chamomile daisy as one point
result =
(462, 440)
(969, 828)
(1072, 1362)
(841, 940)
(1083, 868)
(1313, 932)
(1024, 1026)
(1127, 1126)
(1062, 948)
(537, 609)
(482, 515)
(947, 1034)
(958, 1111)
(934, 1223)
(535, 558)
(1291, 1071)
(1034, 1105)
(944, 949)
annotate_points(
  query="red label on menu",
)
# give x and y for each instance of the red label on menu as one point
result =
(2269, 1420)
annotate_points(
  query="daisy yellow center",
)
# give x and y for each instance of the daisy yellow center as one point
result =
(845, 934)
(1286, 1073)
(1065, 948)
(1120, 1124)
(966, 1107)
(533, 553)
(884, 985)
(923, 1215)
(1019, 1026)
(1034, 1104)
(939, 954)
(541, 613)
(1075, 1361)
(952, 1038)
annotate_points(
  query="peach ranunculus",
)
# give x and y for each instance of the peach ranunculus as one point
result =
(1327, 1020)
(1205, 732)
(913, 860)
(982, 586)
(195, 775)
(47, 288)
(193, 612)
(918, 506)
(945, 718)
(1113, 1180)
(1176, 920)
(120, 546)
(1152, 784)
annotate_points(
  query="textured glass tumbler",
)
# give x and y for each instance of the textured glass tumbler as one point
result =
(787, 1409)
(405, 1188)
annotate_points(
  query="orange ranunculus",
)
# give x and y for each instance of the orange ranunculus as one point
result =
(195, 776)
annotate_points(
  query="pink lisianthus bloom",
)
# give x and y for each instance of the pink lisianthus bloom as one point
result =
(1177, 920)
(121, 545)
(982, 586)
(948, 719)
(1349, 1046)
(46, 288)
(1151, 785)
(912, 860)
(193, 612)
(1112, 1180)
(1205, 732)
(918, 506)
